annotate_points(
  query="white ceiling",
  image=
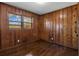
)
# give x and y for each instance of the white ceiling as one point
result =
(41, 8)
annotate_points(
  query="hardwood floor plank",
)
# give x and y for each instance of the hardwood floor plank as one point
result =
(43, 48)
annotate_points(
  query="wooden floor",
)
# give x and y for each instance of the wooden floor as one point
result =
(42, 48)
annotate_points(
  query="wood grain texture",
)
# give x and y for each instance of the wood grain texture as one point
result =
(74, 27)
(0, 26)
(62, 27)
(45, 49)
(18, 50)
(78, 27)
(49, 49)
(10, 37)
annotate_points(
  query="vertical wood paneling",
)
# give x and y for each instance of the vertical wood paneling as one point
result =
(4, 36)
(54, 18)
(46, 27)
(41, 27)
(53, 27)
(9, 37)
(63, 26)
(69, 27)
(0, 26)
(49, 26)
(35, 28)
(57, 27)
(60, 25)
(74, 27)
(78, 27)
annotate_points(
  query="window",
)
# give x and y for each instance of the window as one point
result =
(17, 21)
(14, 21)
(27, 22)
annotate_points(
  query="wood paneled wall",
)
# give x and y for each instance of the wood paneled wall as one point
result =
(60, 27)
(0, 27)
(78, 27)
(9, 37)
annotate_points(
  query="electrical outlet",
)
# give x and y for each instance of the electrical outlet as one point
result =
(18, 41)
(51, 38)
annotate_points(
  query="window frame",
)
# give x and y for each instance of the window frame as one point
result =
(14, 21)
(27, 22)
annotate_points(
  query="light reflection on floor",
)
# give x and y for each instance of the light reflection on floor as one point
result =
(29, 54)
